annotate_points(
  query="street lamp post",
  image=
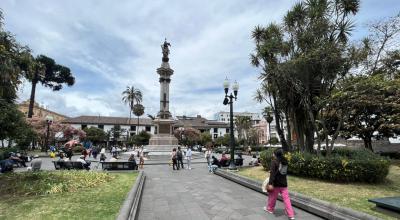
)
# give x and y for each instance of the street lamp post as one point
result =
(49, 120)
(229, 100)
(269, 119)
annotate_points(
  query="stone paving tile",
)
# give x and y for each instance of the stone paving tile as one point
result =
(197, 194)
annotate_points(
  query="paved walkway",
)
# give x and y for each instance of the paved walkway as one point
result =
(197, 194)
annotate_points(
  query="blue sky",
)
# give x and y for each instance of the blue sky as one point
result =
(112, 44)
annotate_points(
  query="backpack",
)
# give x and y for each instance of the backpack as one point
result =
(282, 169)
(179, 154)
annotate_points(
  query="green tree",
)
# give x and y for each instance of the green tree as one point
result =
(13, 126)
(223, 141)
(50, 74)
(138, 110)
(187, 136)
(205, 138)
(374, 107)
(15, 62)
(116, 132)
(364, 105)
(301, 59)
(242, 124)
(140, 139)
(131, 96)
(95, 135)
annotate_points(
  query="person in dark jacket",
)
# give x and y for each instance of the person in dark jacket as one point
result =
(214, 164)
(278, 184)
(179, 158)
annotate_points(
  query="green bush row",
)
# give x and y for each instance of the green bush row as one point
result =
(344, 165)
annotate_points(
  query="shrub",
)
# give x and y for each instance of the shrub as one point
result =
(266, 157)
(78, 149)
(391, 155)
(344, 165)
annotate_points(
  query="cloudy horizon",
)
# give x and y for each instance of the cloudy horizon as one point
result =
(109, 46)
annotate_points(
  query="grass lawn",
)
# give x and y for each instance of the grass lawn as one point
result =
(354, 195)
(63, 194)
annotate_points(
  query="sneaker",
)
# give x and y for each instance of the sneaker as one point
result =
(265, 209)
(291, 218)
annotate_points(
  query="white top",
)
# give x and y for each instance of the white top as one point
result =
(208, 153)
(189, 153)
(103, 151)
(81, 160)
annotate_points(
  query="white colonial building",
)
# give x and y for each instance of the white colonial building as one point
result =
(132, 127)
(224, 116)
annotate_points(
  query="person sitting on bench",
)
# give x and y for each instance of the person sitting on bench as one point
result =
(224, 161)
(214, 164)
(85, 163)
(36, 163)
(132, 159)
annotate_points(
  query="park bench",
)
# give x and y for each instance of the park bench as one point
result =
(119, 165)
(76, 165)
(391, 203)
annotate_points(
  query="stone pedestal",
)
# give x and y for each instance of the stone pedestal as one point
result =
(164, 135)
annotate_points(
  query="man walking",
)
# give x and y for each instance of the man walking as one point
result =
(189, 157)
(179, 155)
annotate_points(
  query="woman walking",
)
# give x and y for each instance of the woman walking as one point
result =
(278, 184)
(174, 159)
(141, 158)
(208, 158)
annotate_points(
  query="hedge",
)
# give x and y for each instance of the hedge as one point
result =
(344, 165)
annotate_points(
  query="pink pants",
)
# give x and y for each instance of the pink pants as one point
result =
(272, 196)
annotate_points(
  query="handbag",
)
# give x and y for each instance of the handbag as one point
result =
(264, 185)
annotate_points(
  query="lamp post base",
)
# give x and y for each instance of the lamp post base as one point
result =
(232, 165)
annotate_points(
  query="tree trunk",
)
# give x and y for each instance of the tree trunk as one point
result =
(289, 131)
(33, 91)
(335, 135)
(2, 143)
(285, 146)
(309, 140)
(137, 125)
(368, 143)
(319, 146)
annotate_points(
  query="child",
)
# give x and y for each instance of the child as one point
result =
(278, 184)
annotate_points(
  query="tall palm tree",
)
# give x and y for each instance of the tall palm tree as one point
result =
(131, 96)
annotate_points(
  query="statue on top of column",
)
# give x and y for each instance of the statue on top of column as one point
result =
(165, 50)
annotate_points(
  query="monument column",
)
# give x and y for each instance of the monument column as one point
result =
(164, 119)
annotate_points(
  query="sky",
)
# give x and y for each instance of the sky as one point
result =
(109, 45)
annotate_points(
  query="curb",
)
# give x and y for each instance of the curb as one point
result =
(130, 207)
(318, 207)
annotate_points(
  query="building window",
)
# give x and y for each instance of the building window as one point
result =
(83, 126)
(148, 128)
(100, 126)
(215, 130)
(215, 135)
(133, 128)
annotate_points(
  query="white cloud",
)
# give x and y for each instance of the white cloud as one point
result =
(109, 46)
